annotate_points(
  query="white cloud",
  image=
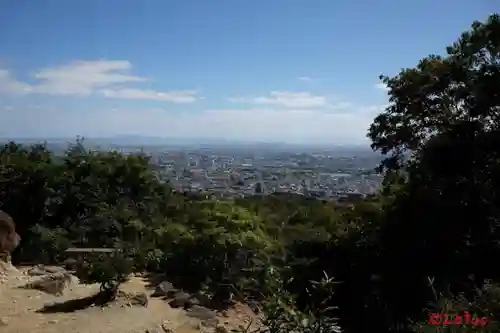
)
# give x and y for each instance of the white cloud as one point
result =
(305, 79)
(382, 86)
(83, 77)
(9, 85)
(262, 124)
(276, 116)
(286, 98)
(372, 109)
(89, 77)
(292, 99)
(187, 96)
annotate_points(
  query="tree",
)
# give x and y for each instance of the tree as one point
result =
(441, 133)
(457, 93)
(107, 270)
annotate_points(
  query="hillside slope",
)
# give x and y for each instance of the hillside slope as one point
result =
(21, 311)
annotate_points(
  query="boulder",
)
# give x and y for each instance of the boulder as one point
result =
(44, 270)
(54, 269)
(9, 238)
(221, 329)
(36, 271)
(139, 298)
(54, 284)
(212, 322)
(202, 299)
(201, 312)
(164, 289)
(180, 299)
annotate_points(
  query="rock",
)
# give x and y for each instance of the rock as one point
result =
(166, 323)
(213, 322)
(166, 327)
(164, 289)
(44, 270)
(194, 301)
(202, 299)
(221, 329)
(201, 312)
(36, 271)
(4, 321)
(54, 269)
(180, 299)
(152, 330)
(9, 238)
(139, 299)
(54, 284)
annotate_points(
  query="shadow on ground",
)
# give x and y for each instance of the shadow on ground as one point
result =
(71, 305)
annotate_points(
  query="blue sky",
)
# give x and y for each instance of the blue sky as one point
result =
(267, 70)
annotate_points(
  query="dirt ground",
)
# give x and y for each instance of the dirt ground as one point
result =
(20, 311)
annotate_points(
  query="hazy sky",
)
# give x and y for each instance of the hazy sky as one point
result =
(287, 70)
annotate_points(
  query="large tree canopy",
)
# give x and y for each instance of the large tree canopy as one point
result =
(459, 92)
(442, 128)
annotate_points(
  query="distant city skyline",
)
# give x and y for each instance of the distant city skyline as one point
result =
(267, 71)
(139, 140)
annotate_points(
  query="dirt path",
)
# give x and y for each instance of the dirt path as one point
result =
(19, 312)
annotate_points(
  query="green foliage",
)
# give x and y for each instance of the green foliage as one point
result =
(104, 269)
(49, 244)
(483, 302)
(217, 242)
(456, 94)
(107, 270)
(440, 134)
(282, 314)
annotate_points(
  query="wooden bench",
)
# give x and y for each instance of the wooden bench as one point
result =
(78, 253)
(91, 249)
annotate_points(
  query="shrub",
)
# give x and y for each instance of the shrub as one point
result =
(108, 270)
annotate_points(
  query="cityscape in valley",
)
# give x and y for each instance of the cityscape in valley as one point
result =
(228, 170)
(323, 174)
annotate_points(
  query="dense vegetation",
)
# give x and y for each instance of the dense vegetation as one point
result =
(426, 243)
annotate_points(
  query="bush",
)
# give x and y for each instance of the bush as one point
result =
(281, 314)
(481, 302)
(108, 270)
(44, 244)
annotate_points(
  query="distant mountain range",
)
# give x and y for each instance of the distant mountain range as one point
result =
(124, 139)
(173, 142)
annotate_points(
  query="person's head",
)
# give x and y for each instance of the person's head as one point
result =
(9, 239)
